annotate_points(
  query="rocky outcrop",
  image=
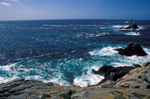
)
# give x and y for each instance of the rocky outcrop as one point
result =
(29, 89)
(137, 78)
(112, 73)
(22, 89)
(133, 26)
(134, 85)
(132, 49)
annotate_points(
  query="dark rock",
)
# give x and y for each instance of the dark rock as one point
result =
(146, 64)
(21, 87)
(112, 73)
(103, 70)
(18, 92)
(137, 65)
(45, 96)
(2, 90)
(132, 49)
(3, 98)
(50, 84)
(6, 94)
(133, 26)
(68, 95)
(71, 92)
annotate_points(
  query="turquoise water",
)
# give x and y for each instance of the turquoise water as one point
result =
(65, 51)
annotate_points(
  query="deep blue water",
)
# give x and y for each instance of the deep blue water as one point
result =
(65, 51)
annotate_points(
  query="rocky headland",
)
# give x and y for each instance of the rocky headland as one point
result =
(124, 82)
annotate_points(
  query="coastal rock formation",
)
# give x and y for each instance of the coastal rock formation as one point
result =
(133, 26)
(112, 73)
(137, 78)
(134, 85)
(132, 49)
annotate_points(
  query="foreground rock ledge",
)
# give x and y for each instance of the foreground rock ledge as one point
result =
(134, 85)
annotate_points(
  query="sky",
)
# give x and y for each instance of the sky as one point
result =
(74, 9)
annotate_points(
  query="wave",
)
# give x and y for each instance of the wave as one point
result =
(114, 59)
(133, 33)
(58, 72)
(87, 79)
(32, 71)
(106, 51)
(119, 26)
(126, 22)
(123, 26)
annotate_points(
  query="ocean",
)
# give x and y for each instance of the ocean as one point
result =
(65, 51)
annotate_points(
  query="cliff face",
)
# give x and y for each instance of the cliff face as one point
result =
(134, 85)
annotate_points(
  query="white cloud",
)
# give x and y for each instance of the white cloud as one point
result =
(15, 0)
(5, 4)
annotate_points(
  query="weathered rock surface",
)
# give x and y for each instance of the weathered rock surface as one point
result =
(137, 78)
(112, 73)
(132, 49)
(134, 85)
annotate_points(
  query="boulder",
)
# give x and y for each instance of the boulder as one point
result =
(112, 73)
(133, 26)
(132, 49)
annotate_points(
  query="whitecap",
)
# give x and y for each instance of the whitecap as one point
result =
(87, 79)
(133, 33)
(7, 67)
(106, 51)
(119, 26)
(126, 22)
(141, 28)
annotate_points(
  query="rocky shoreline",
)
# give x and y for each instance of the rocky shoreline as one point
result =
(135, 84)
(128, 82)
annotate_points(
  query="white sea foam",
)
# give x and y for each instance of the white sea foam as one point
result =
(7, 67)
(141, 27)
(119, 26)
(126, 22)
(133, 33)
(6, 79)
(106, 51)
(124, 26)
(119, 60)
(58, 79)
(88, 78)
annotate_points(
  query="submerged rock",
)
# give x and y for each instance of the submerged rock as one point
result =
(132, 49)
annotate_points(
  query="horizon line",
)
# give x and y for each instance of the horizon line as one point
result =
(73, 19)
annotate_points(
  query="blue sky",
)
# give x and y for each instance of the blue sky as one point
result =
(74, 9)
